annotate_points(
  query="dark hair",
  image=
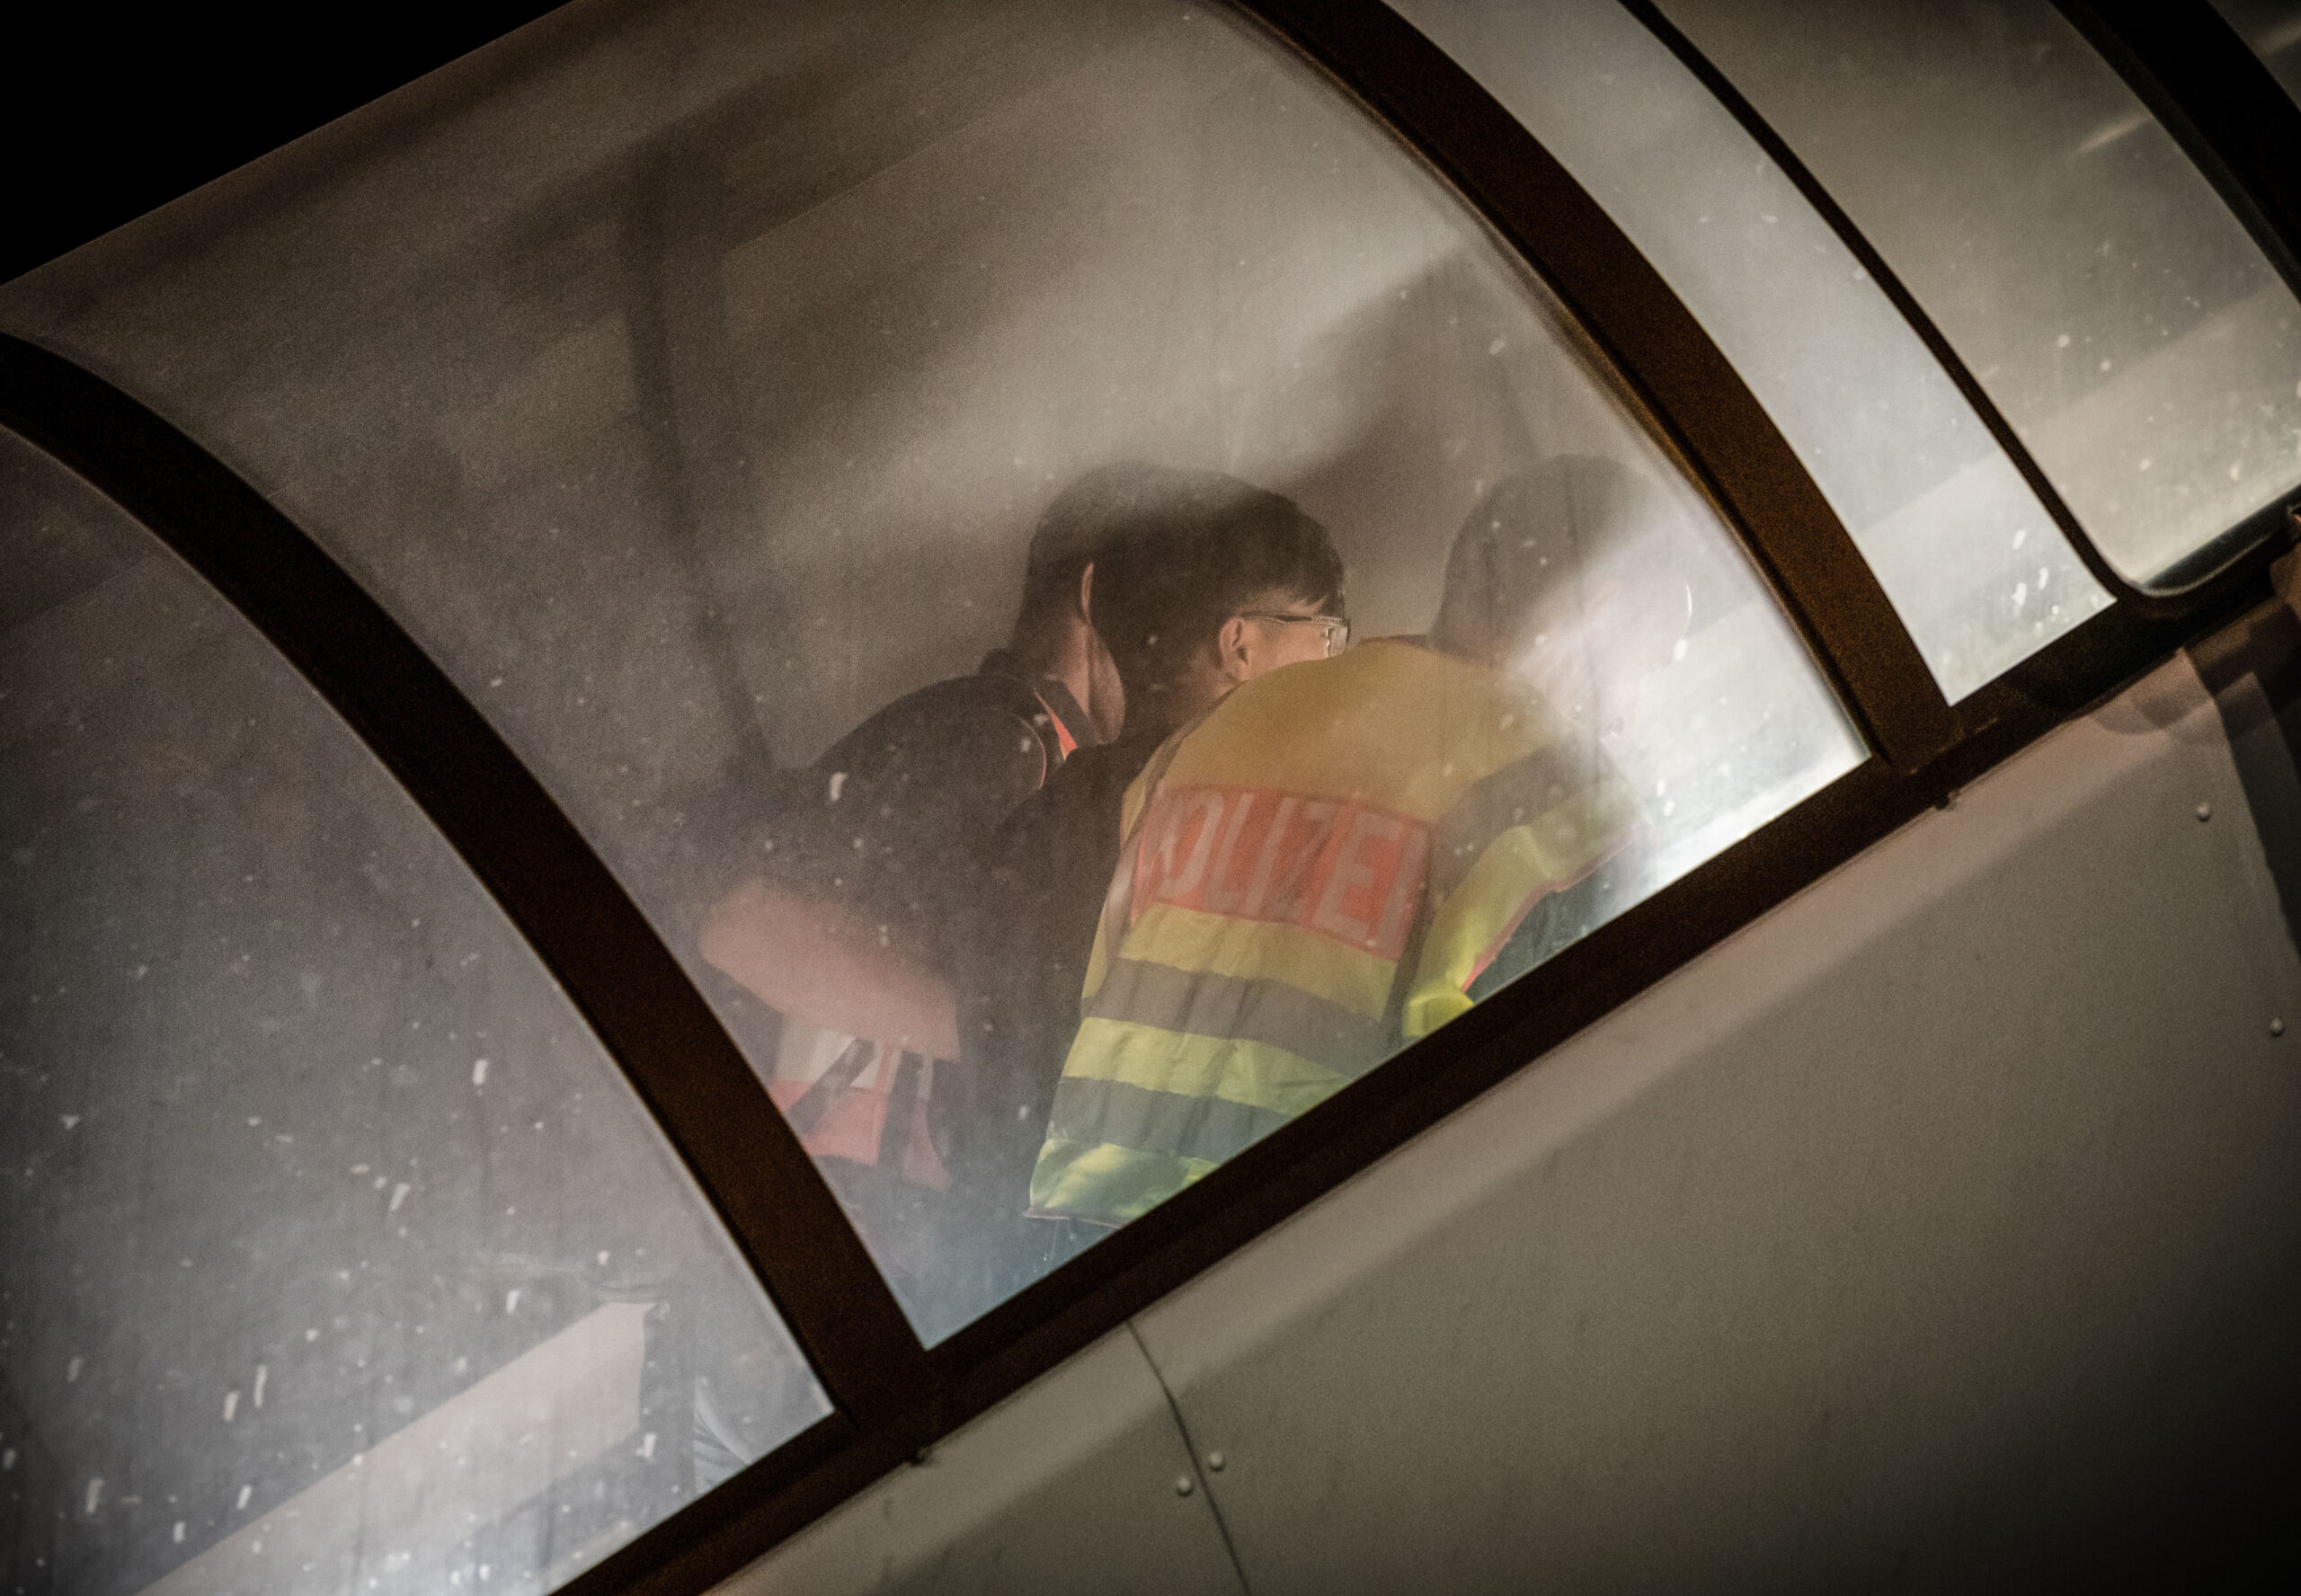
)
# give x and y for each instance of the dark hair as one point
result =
(1189, 549)
(1070, 534)
(1529, 532)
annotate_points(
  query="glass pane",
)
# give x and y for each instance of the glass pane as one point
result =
(2131, 331)
(1975, 568)
(2273, 30)
(335, 1256)
(701, 401)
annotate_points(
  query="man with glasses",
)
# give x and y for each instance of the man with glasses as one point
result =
(1320, 869)
(1212, 585)
(1334, 632)
(1200, 582)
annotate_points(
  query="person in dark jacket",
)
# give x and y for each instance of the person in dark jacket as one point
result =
(1202, 581)
(883, 829)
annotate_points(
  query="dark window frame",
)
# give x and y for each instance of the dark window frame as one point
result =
(893, 1398)
(2207, 561)
(2198, 78)
(2221, 104)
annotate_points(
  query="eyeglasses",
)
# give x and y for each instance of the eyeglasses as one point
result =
(1336, 630)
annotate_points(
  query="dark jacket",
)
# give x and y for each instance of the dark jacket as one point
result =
(1020, 961)
(898, 809)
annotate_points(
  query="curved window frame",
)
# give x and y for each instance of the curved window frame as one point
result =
(2220, 104)
(2217, 100)
(2226, 111)
(893, 1398)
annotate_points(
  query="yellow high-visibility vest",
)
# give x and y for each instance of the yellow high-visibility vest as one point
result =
(1314, 872)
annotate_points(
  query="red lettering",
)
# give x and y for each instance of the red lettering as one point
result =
(1168, 884)
(1347, 871)
(1266, 862)
(1297, 871)
(1359, 877)
(1221, 897)
(1407, 881)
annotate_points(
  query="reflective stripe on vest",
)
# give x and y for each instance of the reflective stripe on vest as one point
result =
(1315, 873)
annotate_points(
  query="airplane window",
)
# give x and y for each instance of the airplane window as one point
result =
(1974, 564)
(2272, 29)
(2109, 302)
(335, 1256)
(838, 445)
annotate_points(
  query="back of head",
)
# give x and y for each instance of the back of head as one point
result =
(1531, 535)
(1187, 550)
(1070, 534)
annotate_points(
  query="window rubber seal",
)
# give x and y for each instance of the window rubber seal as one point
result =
(2222, 105)
(2219, 102)
(2192, 587)
(893, 1398)
(2192, 581)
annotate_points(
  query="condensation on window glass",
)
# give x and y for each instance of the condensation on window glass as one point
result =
(334, 1255)
(735, 401)
(1974, 564)
(2271, 30)
(2104, 296)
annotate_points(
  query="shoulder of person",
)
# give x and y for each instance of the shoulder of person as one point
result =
(968, 722)
(1079, 800)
